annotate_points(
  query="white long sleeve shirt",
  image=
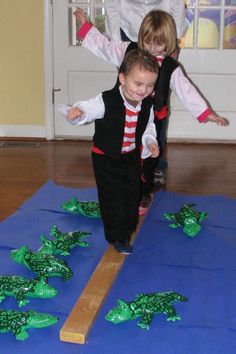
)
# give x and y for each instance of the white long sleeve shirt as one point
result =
(113, 52)
(94, 108)
(128, 15)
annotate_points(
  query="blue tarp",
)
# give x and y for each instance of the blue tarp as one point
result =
(202, 268)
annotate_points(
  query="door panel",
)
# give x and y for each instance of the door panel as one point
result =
(77, 73)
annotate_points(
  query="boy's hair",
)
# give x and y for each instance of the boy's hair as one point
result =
(158, 26)
(140, 58)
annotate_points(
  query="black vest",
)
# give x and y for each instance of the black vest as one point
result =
(163, 81)
(109, 131)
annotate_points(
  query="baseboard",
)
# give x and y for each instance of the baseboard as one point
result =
(39, 131)
(23, 131)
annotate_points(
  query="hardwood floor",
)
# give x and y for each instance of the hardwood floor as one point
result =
(203, 169)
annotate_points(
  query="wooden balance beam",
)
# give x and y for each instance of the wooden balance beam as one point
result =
(83, 314)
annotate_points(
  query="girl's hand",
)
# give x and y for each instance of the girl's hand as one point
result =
(80, 16)
(74, 113)
(154, 149)
(217, 119)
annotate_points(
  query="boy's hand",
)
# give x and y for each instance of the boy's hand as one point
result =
(217, 119)
(154, 150)
(74, 113)
(80, 16)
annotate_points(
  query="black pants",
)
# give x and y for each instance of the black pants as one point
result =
(118, 184)
(150, 164)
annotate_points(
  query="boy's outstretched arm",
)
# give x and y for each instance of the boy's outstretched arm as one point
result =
(154, 150)
(217, 119)
(74, 113)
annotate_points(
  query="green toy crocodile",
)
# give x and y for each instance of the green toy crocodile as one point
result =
(62, 243)
(145, 306)
(20, 287)
(187, 217)
(42, 264)
(18, 322)
(90, 209)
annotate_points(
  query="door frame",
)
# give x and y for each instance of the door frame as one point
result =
(48, 69)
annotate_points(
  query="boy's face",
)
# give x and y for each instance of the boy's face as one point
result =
(137, 84)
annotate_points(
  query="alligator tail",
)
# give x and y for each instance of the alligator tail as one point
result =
(67, 274)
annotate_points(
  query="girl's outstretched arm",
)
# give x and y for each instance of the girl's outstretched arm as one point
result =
(80, 15)
(193, 101)
(98, 43)
(217, 119)
(154, 150)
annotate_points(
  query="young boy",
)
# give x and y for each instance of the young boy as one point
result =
(124, 129)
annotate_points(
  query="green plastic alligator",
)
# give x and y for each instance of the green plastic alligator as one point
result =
(18, 322)
(20, 287)
(145, 306)
(62, 243)
(187, 217)
(42, 264)
(90, 209)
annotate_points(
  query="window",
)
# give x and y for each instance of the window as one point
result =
(96, 14)
(210, 24)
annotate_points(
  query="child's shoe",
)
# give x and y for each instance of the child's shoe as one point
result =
(123, 247)
(159, 178)
(144, 204)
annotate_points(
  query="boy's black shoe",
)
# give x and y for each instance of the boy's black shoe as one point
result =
(159, 178)
(123, 247)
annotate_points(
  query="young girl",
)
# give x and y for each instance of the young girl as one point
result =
(158, 36)
(123, 122)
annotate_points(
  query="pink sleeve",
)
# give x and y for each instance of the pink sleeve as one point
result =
(203, 116)
(84, 29)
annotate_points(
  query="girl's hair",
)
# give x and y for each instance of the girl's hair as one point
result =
(158, 26)
(138, 57)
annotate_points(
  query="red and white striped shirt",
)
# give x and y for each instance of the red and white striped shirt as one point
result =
(131, 118)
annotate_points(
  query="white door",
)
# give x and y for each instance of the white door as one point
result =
(209, 60)
(78, 74)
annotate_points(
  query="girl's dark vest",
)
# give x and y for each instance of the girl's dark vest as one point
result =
(109, 131)
(163, 84)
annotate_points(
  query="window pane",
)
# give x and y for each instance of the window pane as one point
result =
(230, 2)
(99, 17)
(74, 25)
(187, 40)
(230, 29)
(191, 2)
(95, 2)
(80, 1)
(209, 2)
(208, 35)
